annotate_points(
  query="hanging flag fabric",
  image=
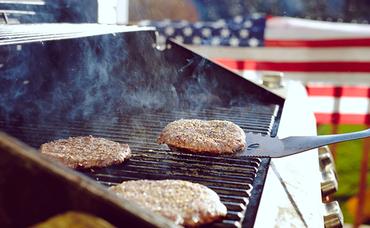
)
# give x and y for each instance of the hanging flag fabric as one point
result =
(332, 59)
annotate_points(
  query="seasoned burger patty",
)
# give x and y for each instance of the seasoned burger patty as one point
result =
(183, 202)
(214, 136)
(86, 151)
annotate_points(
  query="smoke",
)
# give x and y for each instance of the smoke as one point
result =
(86, 78)
(112, 78)
(199, 91)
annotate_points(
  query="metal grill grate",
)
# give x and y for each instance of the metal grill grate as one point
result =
(26, 33)
(237, 180)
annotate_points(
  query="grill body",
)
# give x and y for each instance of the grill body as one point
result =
(119, 87)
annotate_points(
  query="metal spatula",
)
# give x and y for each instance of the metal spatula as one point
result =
(265, 146)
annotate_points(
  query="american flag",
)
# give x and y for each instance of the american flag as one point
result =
(331, 58)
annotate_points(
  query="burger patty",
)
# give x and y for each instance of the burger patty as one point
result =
(86, 151)
(201, 136)
(183, 202)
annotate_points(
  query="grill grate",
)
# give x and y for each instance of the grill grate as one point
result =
(26, 33)
(237, 180)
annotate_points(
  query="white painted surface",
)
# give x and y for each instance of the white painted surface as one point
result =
(292, 196)
(113, 11)
(122, 12)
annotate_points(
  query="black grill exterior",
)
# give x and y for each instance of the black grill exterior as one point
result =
(196, 88)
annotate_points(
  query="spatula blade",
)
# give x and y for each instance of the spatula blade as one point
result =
(259, 145)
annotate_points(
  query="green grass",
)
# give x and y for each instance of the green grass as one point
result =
(347, 160)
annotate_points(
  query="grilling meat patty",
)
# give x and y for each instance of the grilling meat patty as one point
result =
(201, 136)
(86, 151)
(183, 202)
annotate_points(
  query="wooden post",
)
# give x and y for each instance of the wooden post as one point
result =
(333, 147)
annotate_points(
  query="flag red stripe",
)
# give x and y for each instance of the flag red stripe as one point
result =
(337, 118)
(296, 66)
(339, 91)
(327, 43)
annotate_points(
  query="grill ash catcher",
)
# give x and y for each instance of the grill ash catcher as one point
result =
(61, 80)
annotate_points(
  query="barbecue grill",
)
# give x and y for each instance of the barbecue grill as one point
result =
(62, 80)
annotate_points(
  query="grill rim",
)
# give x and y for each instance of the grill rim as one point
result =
(255, 198)
(78, 190)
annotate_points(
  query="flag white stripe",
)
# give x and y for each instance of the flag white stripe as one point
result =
(285, 54)
(333, 78)
(343, 105)
(286, 28)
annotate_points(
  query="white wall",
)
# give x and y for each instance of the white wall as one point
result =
(113, 11)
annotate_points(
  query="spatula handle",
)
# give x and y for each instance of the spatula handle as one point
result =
(330, 139)
(303, 143)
